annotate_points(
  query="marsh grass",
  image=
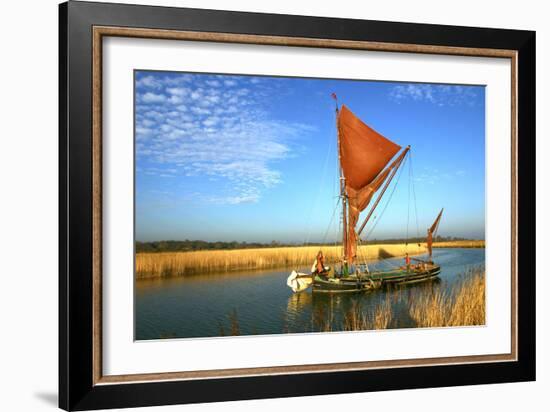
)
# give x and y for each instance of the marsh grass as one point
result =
(357, 319)
(464, 244)
(166, 264)
(464, 305)
(322, 320)
(428, 306)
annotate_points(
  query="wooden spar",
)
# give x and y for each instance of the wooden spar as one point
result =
(396, 164)
(342, 188)
(345, 218)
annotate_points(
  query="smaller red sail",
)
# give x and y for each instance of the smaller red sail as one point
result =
(431, 232)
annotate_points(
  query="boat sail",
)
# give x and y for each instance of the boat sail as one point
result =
(432, 230)
(366, 169)
(364, 157)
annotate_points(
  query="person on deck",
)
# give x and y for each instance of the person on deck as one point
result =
(345, 269)
(407, 262)
(320, 263)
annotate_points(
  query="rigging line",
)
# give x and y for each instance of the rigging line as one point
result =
(338, 223)
(360, 251)
(414, 199)
(377, 263)
(363, 255)
(336, 191)
(389, 264)
(386, 205)
(408, 204)
(331, 220)
(317, 197)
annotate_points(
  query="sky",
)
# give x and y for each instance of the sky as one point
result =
(253, 158)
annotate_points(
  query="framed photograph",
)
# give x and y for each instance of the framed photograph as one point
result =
(256, 206)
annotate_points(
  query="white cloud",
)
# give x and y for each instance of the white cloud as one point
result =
(195, 95)
(175, 99)
(150, 97)
(200, 110)
(149, 82)
(211, 121)
(147, 123)
(215, 128)
(143, 131)
(178, 91)
(440, 95)
(235, 200)
(432, 176)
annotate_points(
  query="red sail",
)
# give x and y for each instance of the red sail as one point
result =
(431, 232)
(358, 201)
(363, 151)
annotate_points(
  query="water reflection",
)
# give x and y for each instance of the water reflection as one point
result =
(298, 301)
(259, 303)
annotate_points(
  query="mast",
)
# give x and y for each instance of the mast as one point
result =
(342, 180)
(364, 156)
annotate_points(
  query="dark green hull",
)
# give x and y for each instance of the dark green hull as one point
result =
(374, 280)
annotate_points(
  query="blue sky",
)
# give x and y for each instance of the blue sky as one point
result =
(251, 158)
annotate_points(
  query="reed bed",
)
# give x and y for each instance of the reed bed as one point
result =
(166, 264)
(357, 319)
(429, 306)
(354, 318)
(466, 244)
(462, 306)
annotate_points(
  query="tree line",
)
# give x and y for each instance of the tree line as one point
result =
(193, 245)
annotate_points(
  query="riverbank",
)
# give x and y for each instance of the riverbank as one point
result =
(167, 264)
(463, 244)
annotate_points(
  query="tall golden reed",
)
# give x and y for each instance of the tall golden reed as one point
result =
(164, 264)
(357, 319)
(463, 306)
(465, 244)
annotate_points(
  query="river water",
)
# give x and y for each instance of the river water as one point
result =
(260, 303)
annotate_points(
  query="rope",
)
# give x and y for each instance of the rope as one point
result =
(378, 262)
(414, 197)
(331, 220)
(316, 202)
(362, 256)
(408, 204)
(389, 264)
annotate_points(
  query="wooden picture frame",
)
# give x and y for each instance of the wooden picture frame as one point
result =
(82, 27)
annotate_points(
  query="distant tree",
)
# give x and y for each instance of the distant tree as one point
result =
(192, 245)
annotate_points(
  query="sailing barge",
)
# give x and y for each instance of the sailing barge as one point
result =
(366, 169)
